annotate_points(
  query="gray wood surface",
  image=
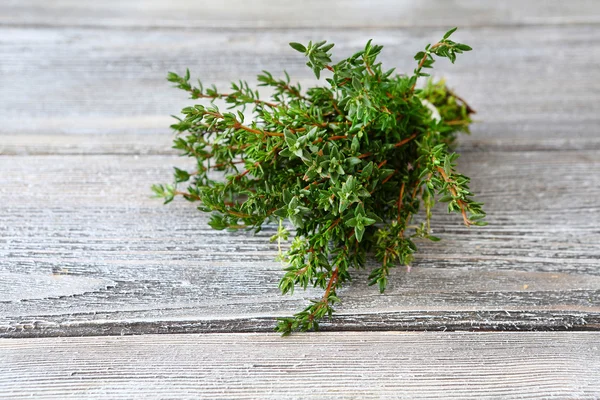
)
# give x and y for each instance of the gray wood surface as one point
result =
(265, 14)
(534, 87)
(85, 250)
(84, 109)
(315, 366)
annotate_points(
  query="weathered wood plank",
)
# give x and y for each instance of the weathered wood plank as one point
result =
(265, 14)
(363, 365)
(23, 144)
(131, 265)
(77, 81)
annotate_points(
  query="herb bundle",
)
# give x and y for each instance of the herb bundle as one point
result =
(348, 164)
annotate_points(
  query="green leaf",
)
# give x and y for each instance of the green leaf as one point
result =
(353, 160)
(450, 32)
(359, 231)
(419, 56)
(173, 77)
(382, 283)
(368, 221)
(356, 84)
(298, 47)
(181, 175)
(367, 171)
(355, 144)
(351, 222)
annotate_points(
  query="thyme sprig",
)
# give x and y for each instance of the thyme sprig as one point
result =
(348, 164)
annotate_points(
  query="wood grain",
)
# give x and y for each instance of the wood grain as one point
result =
(362, 365)
(532, 86)
(265, 14)
(134, 266)
(85, 252)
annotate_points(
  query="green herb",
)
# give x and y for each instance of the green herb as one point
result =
(348, 164)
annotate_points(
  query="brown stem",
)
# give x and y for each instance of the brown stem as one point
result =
(238, 214)
(225, 164)
(324, 299)
(389, 177)
(293, 91)
(452, 189)
(239, 176)
(438, 44)
(186, 195)
(238, 226)
(332, 281)
(242, 174)
(400, 143)
(334, 104)
(470, 110)
(197, 95)
(404, 141)
(370, 71)
(346, 80)
(457, 122)
(422, 62)
(400, 200)
(238, 125)
(302, 270)
(337, 221)
(315, 183)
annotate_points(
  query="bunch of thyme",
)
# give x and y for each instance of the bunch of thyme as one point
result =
(348, 164)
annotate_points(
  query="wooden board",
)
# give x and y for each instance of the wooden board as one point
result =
(533, 86)
(84, 250)
(265, 14)
(363, 365)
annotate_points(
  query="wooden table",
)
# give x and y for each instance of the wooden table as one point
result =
(89, 262)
